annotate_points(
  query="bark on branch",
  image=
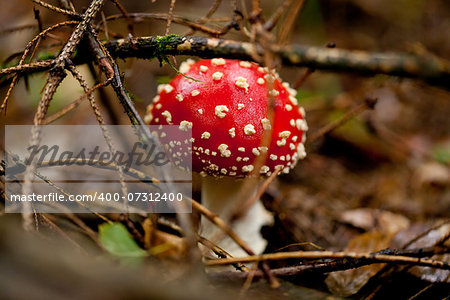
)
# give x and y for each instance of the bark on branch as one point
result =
(334, 261)
(428, 68)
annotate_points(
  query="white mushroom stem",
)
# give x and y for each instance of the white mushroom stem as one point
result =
(223, 196)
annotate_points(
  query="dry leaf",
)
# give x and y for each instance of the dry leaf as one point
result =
(166, 245)
(431, 274)
(428, 240)
(349, 282)
(370, 219)
(431, 173)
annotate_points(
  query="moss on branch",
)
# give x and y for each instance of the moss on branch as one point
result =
(428, 68)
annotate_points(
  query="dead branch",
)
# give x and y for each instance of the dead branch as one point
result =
(76, 74)
(210, 12)
(430, 69)
(368, 258)
(56, 76)
(34, 41)
(57, 9)
(110, 68)
(53, 185)
(74, 104)
(270, 24)
(202, 240)
(111, 166)
(369, 103)
(29, 68)
(222, 225)
(47, 219)
(165, 17)
(17, 28)
(333, 265)
(227, 229)
(125, 14)
(239, 211)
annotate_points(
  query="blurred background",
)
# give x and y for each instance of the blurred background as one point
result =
(375, 182)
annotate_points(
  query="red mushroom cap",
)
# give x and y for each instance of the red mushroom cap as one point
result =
(227, 111)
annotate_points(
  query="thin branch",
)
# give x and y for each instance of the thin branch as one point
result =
(248, 282)
(369, 258)
(77, 75)
(169, 19)
(57, 9)
(240, 242)
(299, 82)
(110, 166)
(165, 17)
(327, 266)
(56, 76)
(270, 24)
(33, 67)
(369, 103)
(74, 104)
(243, 208)
(17, 28)
(288, 24)
(56, 228)
(220, 252)
(109, 66)
(215, 219)
(34, 41)
(430, 69)
(202, 240)
(211, 11)
(125, 15)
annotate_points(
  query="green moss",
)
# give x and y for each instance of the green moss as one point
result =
(162, 44)
(46, 55)
(442, 154)
(164, 40)
(163, 79)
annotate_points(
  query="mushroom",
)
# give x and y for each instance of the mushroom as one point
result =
(227, 108)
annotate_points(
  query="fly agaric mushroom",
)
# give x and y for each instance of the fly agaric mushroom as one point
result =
(227, 108)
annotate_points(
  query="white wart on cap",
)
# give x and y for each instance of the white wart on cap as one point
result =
(227, 111)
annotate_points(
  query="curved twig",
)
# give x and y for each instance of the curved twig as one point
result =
(34, 41)
(164, 17)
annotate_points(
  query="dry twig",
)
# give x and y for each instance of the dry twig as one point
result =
(28, 47)
(240, 242)
(56, 76)
(429, 69)
(368, 258)
(74, 104)
(165, 17)
(369, 103)
(57, 9)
